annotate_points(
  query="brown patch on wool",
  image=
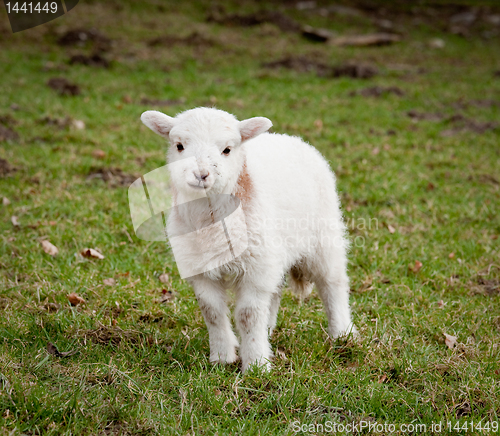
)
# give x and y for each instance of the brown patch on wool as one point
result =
(244, 187)
(246, 319)
(208, 312)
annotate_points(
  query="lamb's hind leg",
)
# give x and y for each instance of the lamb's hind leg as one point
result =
(212, 301)
(333, 288)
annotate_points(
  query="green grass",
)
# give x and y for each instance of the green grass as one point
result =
(142, 367)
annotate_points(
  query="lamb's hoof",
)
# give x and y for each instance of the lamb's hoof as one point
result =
(263, 365)
(226, 358)
(350, 332)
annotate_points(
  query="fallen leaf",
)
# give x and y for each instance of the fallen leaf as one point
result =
(5, 201)
(390, 228)
(217, 392)
(164, 278)
(318, 124)
(382, 379)
(75, 299)
(450, 341)
(99, 154)
(376, 151)
(90, 252)
(78, 124)
(451, 255)
(49, 248)
(109, 282)
(416, 267)
(52, 349)
(166, 297)
(14, 221)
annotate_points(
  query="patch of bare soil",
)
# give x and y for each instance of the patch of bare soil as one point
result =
(7, 134)
(81, 37)
(303, 65)
(285, 23)
(63, 86)
(111, 335)
(355, 71)
(115, 177)
(5, 167)
(458, 122)
(195, 39)
(159, 102)
(486, 287)
(95, 60)
(6, 131)
(378, 91)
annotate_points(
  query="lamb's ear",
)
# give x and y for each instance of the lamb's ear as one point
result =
(158, 122)
(253, 126)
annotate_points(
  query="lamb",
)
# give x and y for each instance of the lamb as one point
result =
(292, 224)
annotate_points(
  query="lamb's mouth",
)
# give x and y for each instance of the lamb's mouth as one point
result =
(199, 185)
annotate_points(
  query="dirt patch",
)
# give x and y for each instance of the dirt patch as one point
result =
(63, 86)
(60, 123)
(483, 104)
(111, 335)
(463, 124)
(7, 134)
(424, 116)
(355, 71)
(378, 91)
(5, 167)
(158, 102)
(303, 65)
(95, 60)
(285, 23)
(81, 37)
(300, 64)
(114, 177)
(195, 39)
(486, 287)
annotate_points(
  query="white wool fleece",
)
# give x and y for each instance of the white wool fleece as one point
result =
(292, 222)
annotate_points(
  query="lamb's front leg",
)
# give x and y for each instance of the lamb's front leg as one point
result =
(252, 318)
(212, 301)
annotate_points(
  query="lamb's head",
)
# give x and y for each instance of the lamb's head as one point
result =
(205, 147)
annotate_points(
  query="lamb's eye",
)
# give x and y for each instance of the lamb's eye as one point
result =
(227, 151)
(180, 147)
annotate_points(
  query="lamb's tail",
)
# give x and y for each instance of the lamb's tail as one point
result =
(299, 283)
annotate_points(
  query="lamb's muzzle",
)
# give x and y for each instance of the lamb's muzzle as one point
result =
(289, 220)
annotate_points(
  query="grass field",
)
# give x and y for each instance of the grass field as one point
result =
(418, 174)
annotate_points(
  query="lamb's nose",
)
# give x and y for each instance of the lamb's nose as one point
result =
(201, 175)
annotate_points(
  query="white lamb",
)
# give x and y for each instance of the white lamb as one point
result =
(292, 222)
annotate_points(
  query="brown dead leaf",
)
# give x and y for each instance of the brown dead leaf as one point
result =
(90, 252)
(75, 299)
(166, 296)
(109, 282)
(382, 379)
(52, 349)
(99, 154)
(14, 220)
(390, 228)
(49, 248)
(450, 341)
(5, 201)
(416, 268)
(451, 255)
(164, 278)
